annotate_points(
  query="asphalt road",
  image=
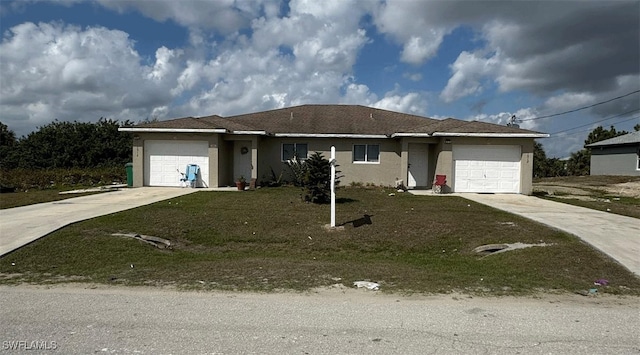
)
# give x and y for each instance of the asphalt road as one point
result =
(73, 319)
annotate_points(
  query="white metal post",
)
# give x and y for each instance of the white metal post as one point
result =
(333, 186)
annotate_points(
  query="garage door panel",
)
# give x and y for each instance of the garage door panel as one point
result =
(165, 160)
(492, 174)
(508, 174)
(475, 174)
(486, 168)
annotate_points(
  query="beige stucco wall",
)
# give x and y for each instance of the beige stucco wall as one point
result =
(444, 163)
(266, 154)
(385, 173)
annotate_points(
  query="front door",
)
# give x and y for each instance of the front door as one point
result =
(242, 160)
(418, 168)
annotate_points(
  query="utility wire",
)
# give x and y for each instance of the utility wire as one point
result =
(586, 130)
(581, 108)
(602, 120)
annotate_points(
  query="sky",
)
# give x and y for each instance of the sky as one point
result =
(74, 60)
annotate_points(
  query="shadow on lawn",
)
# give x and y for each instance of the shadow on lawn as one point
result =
(345, 200)
(366, 219)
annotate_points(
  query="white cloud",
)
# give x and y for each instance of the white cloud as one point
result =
(412, 103)
(536, 47)
(412, 76)
(467, 73)
(418, 49)
(243, 56)
(54, 71)
(224, 16)
(503, 118)
(306, 57)
(358, 94)
(419, 37)
(568, 101)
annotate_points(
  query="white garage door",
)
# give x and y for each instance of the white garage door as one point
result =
(481, 168)
(165, 160)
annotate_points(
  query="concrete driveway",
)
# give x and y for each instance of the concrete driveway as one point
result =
(22, 225)
(615, 235)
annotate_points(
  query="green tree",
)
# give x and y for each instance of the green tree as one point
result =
(600, 134)
(556, 167)
(579, 163)
(7, 144)
(317, 179)
(636, 127)
(540, 161)
(546, 167)
(72, 145)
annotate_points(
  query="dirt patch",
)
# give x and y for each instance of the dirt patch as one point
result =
(629, 189)
(587, 186)
(614, 194)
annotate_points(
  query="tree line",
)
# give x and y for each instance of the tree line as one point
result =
(64, 145)
(579, 161)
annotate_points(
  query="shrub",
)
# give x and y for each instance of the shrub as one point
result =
(317, 179)
(25, 179)
(298, 169)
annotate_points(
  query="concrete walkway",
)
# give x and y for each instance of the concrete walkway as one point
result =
(615, 235)
(22, 225)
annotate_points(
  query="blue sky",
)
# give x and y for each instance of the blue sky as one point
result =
(481, 60)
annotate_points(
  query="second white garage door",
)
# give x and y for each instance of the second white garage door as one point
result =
(165, 160)
(480, 168)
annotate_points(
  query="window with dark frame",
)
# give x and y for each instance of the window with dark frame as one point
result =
(289, 150)
(366, 153)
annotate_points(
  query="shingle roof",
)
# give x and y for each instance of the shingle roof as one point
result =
(186, 122)
(334, 119)
(331, 119)
(630, 138)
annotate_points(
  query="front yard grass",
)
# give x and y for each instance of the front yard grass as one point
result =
(269, 239)
(21, 198)
(624, 206)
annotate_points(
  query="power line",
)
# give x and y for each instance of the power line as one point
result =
(581, 108)
(587, 130)
(602, 120)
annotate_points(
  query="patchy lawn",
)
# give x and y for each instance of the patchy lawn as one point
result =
(614, 194)
(270, 240)
(21, 198)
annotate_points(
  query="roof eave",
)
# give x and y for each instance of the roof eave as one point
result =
(596, 145)
(172, 130)
(401, 134)
(328, 135)
(491, 135)
(260, 133)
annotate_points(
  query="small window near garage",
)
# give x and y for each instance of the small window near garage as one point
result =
(366, 153)
(289, 150)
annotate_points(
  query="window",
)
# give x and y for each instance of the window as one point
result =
(366, 153)
(289, 150)
(638, 162)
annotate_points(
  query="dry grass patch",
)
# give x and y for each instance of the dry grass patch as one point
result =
(614, 194)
